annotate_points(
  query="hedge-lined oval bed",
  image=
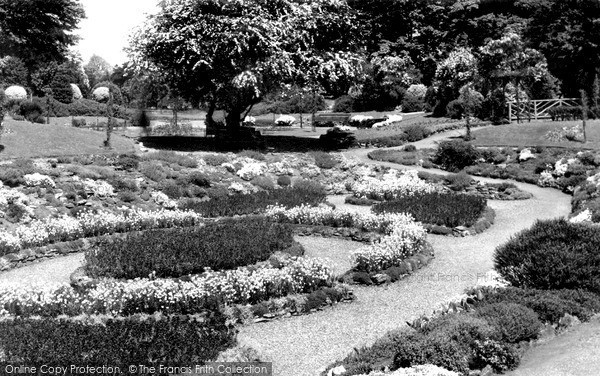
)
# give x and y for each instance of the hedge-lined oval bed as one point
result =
(443, 213)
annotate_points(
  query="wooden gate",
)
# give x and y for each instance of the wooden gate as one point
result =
(538, 108)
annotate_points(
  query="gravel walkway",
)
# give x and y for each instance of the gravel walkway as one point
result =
(304, 345)
(56, 270)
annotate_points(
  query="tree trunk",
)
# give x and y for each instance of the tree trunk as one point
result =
(518, 101)
(584, 110)
(232, 120)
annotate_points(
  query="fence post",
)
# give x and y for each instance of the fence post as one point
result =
(510, 112)
(535, 109)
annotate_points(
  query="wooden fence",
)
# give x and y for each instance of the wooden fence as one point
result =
(538, 109)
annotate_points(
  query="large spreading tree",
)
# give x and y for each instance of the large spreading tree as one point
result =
(38, 31)
(230, 53)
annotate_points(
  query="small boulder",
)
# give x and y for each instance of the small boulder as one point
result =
(381, 278)
(568, 321)
(525, 155)
(337, 371)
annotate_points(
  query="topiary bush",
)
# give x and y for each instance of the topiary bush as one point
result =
(447, 209)
(31, 111)
(513, 322)
(553, 254)
(456, 155)
(176, 252)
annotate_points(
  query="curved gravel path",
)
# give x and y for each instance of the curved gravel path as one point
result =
(56, 270)
(304, 345)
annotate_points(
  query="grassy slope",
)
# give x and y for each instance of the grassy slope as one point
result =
(27, 140)
(533, 134)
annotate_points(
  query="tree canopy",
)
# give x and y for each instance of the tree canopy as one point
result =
(38, 31)
(230, 53)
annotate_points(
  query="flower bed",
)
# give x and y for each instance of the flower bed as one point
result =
(488, 328)
(437, 208)
(403, 236)
(170, 296)
(115, 341)
(224, 244)
(86, 224)
(239, 204)
(392, 185)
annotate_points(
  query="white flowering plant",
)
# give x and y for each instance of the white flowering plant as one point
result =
(285, 121)
(38, 180)
(392, 185)
(87, 224)
(148, 295)
(99, 188)
(252, 170)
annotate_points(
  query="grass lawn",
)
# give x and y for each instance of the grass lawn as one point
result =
(392, 130)
(23, 139)
(534, 134)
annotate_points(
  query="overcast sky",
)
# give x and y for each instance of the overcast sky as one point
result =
(108, 24)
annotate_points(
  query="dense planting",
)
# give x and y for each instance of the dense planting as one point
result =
(111, 340)
(447, 209)
(552, 254)
(455, 155)
(225, 244)
(239, 204)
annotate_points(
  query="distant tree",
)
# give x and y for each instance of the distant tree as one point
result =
(61, 84)
(566, 32)
(12, 71)
(452, 73)
(230, 53)
(97, 70)
(38, 31)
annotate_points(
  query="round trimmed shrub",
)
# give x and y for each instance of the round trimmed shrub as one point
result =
(116, 92)
(284, 181)
(76, 92)
(15, 93)
(456, 155)
(100, 94)
(554, 254)
(514, 322)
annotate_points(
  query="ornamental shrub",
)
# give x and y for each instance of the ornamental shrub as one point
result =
(284, 181)
(553, 254)
(324, 160)
(138, 339)
(415, 132)
(500, 356)
(31, 111)
(76, 92)
(447, 209)
(455, 109)
(61, 86)
(15, 93)
(172, 157)
(336, 139)
(514, 322)
(224, 244)
(215, 159)
(456, 155)
(344, 104)
(103, 94)
(550, 305)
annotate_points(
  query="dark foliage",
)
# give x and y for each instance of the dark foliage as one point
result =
(456, 155)
(324, 160)
(224, 244)
(514, 322)
(239, 204)
(552, 254)
(446, 209)
(150, 340)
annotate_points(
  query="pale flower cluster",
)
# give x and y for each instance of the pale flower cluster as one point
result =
(240, 286)
(15, 92)
(9, 196)
(163, 200)
(38, 180)
(357, 120)
(584, 216)
(595, 179)
(405, 237)
(100, 188)
(392, 185)
(420, 370)
(285, 120)
(389, 120)
(86, 224)
(281, 168)
(252, 170)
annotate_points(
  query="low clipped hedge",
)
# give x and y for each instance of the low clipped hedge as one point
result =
(553, 254)
(442, 209)
(224, 244)
(107, 340)
(240, 204)
(550, 305)
(513, 321)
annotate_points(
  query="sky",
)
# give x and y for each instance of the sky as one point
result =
(106, 29)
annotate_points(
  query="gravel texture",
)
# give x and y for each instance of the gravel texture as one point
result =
(56, 270)
(305, 345)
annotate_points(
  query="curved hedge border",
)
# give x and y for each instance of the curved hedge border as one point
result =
(483, 223)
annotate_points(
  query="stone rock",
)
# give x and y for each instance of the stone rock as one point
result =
(526, 155)
(380, 278)
(337, 371)
(487, 371)
(568, 321)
